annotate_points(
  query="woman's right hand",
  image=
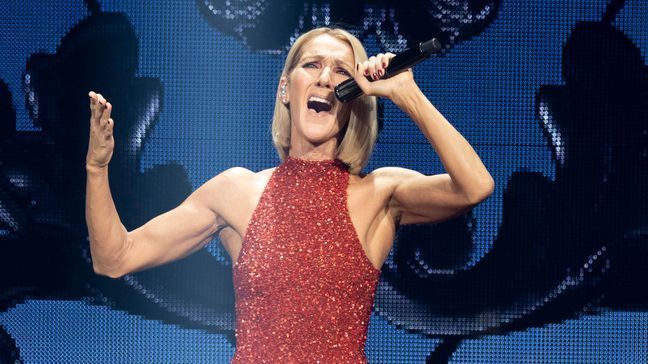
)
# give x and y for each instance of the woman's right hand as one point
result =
(102, 143)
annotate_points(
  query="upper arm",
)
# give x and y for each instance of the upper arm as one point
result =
(176, 233)
(417, 198)
(172, 235)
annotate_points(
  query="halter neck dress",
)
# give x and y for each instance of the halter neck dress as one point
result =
(304, 288)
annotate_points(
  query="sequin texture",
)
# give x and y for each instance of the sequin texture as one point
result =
(304, 287)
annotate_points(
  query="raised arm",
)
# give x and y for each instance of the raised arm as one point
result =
(420, 198)
(170, 236)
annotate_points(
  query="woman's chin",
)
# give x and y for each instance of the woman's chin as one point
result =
(321, 131)
(319, 137)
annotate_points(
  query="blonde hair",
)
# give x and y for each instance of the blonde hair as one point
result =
(359, 134)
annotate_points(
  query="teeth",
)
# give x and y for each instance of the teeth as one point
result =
(319, 99)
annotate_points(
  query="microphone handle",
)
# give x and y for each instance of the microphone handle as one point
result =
(349, 89)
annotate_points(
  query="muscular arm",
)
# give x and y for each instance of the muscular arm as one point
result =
(467, 183)
(419, 198)
(167, 237)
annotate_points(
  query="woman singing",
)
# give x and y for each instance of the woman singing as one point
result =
(307, 238)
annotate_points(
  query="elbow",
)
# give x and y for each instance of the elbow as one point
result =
(106, 272)
(489, 187)
(481, 193)
(112, 264)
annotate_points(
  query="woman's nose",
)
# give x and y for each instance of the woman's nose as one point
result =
(324, 79)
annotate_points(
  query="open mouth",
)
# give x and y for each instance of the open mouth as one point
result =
(319, 104)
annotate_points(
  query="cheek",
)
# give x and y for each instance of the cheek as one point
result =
(299, 79)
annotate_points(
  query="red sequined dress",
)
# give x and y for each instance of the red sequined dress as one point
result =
(304, 287)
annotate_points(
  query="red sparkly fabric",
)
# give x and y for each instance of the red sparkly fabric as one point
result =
(304, 287)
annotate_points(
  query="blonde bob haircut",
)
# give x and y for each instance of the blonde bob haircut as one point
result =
(359, 135)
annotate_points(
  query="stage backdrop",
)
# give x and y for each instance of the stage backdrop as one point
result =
(553, 95)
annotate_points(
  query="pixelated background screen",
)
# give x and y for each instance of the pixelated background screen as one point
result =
(553, 96)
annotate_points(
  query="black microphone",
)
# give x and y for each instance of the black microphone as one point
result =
(349, 89)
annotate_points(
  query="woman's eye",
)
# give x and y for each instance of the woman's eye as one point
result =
(310, 65)
(344, 72)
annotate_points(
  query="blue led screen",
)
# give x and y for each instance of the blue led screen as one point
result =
(553, 96)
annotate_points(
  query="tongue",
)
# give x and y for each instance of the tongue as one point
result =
(319, 106)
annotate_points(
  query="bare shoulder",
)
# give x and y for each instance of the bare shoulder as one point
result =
(234, 174)
(266, 173)
(237, 178)
(233, 194)
(232, 187)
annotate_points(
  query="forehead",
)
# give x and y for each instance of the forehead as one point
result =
(326, 46)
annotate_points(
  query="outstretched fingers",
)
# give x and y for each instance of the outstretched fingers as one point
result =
(101, 143)
(93, 104)
(97, 104)
(109, 128)
(100, 108)
(105, 114)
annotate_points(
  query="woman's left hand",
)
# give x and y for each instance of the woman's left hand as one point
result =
(392, 87)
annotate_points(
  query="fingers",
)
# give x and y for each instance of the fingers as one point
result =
(360, 77)
(110, 123)
(93, 103)
(105, 115)
(101, 142)
(374, 69)
(96, 99)
(99, 107)
(386, 59)
(375, 66)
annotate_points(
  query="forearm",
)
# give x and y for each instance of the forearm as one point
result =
(108, 237)
(460, 160)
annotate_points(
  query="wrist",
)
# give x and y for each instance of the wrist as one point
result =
(409, 98)
(93, 169)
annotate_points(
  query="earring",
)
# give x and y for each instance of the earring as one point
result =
(283, 94)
